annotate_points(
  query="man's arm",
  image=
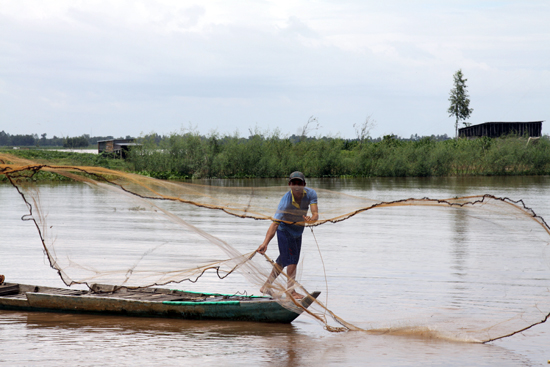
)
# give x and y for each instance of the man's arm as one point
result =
(268, 237)
(314, 214)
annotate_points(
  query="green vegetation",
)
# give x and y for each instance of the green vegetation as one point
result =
(189, 155)
(76, 142)
(54, 157)
(32, 140)
(270, 155)
(62, 158)
(460, 103)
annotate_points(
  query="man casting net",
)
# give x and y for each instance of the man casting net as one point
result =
(135, 231)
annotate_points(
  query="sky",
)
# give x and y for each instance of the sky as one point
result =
(122, 67)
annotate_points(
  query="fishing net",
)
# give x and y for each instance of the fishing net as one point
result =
(109, 227)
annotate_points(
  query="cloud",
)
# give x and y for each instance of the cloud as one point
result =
(232, 65)
(295, 26)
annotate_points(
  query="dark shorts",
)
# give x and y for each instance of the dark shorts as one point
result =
(289, 248)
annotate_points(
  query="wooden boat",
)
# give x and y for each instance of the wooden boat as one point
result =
(148, 302)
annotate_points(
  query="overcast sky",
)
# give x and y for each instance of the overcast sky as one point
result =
(121, 68)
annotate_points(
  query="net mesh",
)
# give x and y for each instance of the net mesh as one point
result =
(135, 231)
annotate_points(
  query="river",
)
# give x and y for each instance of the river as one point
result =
(362, 270)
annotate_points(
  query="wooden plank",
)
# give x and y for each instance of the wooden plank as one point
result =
(8, 289)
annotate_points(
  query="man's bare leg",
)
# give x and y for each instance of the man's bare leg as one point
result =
(266, 288)
(291, 270)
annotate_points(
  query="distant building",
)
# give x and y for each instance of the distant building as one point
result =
(118, 147)
(532, 129)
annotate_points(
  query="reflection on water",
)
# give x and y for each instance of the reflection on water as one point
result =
(56, 339)
(460, 242)
(370, 272)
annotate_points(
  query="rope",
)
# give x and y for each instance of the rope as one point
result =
(324, 270)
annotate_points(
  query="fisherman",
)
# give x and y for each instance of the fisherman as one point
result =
(290, 218)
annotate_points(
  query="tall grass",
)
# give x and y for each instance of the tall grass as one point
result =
(190, 155)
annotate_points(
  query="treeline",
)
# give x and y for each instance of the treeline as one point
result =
(32, 140)
(270, 155)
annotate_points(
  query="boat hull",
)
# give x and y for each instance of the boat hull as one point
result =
(152, 302)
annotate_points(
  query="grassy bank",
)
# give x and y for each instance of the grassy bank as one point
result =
(54, 157)
(181, 156)
(193, 156)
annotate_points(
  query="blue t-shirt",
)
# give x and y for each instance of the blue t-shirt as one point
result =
(289, 211)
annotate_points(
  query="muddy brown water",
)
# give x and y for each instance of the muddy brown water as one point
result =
(49, 339)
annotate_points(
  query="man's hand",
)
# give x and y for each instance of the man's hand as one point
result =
(311, 219)
(262, 249)
(268, 236)
(314, 214)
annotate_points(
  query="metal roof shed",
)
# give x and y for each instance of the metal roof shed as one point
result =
(118, 147)
(497, 129)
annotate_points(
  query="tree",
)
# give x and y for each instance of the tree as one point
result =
(76, 142)
(363, 130)
(4, 138)
(460, 103)
(23, 140)
(311, 125)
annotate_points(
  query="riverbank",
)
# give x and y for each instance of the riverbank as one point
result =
(65, 158)
(193, 156)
